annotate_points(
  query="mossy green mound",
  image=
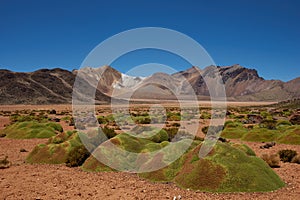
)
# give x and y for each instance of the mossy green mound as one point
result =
(93, 165)
(244, 148)
(290, 136)
(56, 151)
(128, 156)
(233, 130)
(261, 135)
(151, 133)
(32, 129)
(227, 168)
(283, 132)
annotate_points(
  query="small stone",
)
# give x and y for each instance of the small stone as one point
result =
(23, 150)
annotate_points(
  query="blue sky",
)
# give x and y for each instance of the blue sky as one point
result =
(264, 35)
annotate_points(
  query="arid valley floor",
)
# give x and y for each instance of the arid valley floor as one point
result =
(57, 181)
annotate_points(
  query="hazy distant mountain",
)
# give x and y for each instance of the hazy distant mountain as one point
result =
(241, 84)
(55, 86)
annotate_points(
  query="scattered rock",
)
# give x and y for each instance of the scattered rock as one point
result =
(222, 139)
(53, 112)
(2, 135)
(268, 145)
(295, 119)
(23, 150)
(4, 163)
(254, 119)
(55, 119)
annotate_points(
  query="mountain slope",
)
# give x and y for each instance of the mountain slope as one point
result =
(55, 86)
(242, 84)
(40, 87)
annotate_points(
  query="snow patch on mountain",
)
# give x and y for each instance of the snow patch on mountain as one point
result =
(127, 81)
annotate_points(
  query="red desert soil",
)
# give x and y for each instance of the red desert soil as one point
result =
(64, 107)
(25, 181)
(3, 121)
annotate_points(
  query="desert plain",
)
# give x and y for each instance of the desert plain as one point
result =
(23, 180)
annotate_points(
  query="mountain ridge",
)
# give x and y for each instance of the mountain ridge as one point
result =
(54, 86)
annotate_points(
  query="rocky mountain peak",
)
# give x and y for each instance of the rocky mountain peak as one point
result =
(46, 86)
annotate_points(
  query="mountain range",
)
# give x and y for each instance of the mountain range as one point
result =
(55, 86)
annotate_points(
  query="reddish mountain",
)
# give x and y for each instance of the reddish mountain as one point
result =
(55, 86)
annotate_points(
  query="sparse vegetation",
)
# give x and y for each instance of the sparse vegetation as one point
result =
(32, 129)
(268, 123)
(77, 156)
(233, 130)
(287, 155)
(229, 167)
(109, 132)
(173, 116)
(27, 118)
(56, 151)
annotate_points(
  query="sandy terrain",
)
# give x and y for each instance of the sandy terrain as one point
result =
(3, 121)
(65, 107)
(25, 181)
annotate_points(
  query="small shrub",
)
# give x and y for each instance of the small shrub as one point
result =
(171, 132)
(204, 130)
(272, 160)
(109, 132)
(159, 137)
(296, 159)
(142, 120)
(2, 135)
(268, 123)
(55, 126)
(283, 123)
(27, 118)
(4, 163)
(77, 156)
(53, 112)
(205, 115)
(287, 155)
(66, 118)
(173, 116)
(102, 120)
(71, 123)
(233, 124)
(295, 119)
(175, 124)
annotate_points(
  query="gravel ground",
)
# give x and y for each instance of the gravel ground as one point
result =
(25, 181)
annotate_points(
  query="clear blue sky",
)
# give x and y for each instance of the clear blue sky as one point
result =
(264, 35)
